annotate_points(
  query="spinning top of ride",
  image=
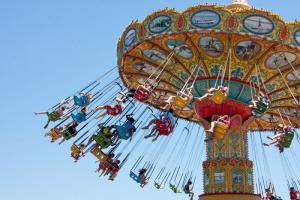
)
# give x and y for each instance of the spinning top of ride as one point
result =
(248, 49)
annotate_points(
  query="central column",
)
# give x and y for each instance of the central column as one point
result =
(228, 172)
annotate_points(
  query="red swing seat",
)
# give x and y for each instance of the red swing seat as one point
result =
(109, 167)
(114, 110)
(164, 127)
(141, 94)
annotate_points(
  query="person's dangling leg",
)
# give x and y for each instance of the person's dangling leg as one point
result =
(101, 115)
(149, 124)
(270, 143)
(152, 133)
(156, 137)
(212, 126)
(41, 113)
(48, 121)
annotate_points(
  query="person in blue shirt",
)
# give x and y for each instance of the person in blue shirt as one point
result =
(126, 130)
(83, 99)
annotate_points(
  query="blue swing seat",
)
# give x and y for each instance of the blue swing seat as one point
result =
(136, 178)
(78, 117)
(122, 132)
(81, 101)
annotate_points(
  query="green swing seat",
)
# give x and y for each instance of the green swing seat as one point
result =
(102, 135)
(175, 189)
(101, 140)
(158, 185)
(260, 110)
(53, 116)
(66, 134)
(288, 138)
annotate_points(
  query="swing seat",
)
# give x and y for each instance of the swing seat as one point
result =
(260, 109)
(288, 138)
(218, 97)
(66, 134)
(220, 130)
(99, 154)
(75, 149)
(164, 127)
(180, 102)
(111, 168)
(54, 134)
(81, 101)
(53, 116)
(78, 117)
(137, 178)
(122, 132)
(102, 141)
(141, 94)
(158, 186)
(186, 191)
(104, 130)
(175, 189)
(114, 110)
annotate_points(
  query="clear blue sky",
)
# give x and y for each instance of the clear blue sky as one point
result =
(48, 49)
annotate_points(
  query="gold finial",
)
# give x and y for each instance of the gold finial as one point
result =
(239, 4)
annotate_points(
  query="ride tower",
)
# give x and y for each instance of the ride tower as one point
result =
(246, 49)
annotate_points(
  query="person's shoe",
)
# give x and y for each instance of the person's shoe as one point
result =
(265, 144)
(269, 138)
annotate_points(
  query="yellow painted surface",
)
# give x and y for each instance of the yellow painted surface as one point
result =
(230, 197)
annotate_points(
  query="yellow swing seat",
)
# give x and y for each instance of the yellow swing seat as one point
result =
(218, 97)
(75, 149)
(220, 130)
(54, 134)
(180, 102)
(99, 154)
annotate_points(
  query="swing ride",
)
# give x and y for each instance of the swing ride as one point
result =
(230, 69)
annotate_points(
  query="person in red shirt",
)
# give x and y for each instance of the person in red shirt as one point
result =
(293, 193)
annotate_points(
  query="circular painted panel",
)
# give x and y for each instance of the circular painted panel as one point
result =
(294, 75)
(180, 47)
(205, 19)
(270, 118)
(130, 38)
(154, 55)
(247, 50)
(212, 46)
(280, 59)
(258, 24)
(297, 37)
(160, 23)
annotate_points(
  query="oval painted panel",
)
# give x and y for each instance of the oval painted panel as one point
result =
(280, 59)
(294, 75)
(205, 19)
(298, 89)
(147, 68)
(258, 24)
(212, 46)
(130, 38)
(154, 55)
(270, 118)
(247, 50)
(180, 47)
(297, 37)
(160, 24)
